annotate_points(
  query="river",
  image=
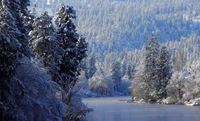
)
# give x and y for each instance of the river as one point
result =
(115, 109)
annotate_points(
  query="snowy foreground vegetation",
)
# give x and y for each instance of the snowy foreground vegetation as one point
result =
(39, 64)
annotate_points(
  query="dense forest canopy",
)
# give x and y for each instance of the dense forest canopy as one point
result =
(114, 25)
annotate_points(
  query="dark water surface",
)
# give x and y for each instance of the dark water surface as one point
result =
(111, 109)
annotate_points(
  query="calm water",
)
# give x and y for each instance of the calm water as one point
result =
(111, 109)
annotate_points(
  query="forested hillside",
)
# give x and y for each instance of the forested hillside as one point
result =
(113, 25)
(116, 31)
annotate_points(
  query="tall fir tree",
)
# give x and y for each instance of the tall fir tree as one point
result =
(153, 74)
(45, 45)
(9, 59)
(75, 48)
(13, 46)
(151, 67)
(165, 71)
(72, 43)
(115, 75)
(18, 10)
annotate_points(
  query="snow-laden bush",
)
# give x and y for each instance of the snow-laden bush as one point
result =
(38, 100)
(101, 85)
(192, 84)
(175, 87)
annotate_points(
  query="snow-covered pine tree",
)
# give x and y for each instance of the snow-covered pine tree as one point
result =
(139, 85)
(75, 48)
(45, 45)
(165, 71)
(151, 68)
(26, 15)
(72, 43)
(13, 46)
(9, 56)
(18, 10)
(152, 75)
(115, 75)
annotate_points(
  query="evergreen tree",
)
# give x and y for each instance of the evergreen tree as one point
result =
(75, 48)
(18, 10)
(45, 45)
(179, 60)
(165, 71)
(13, 46)
(72, 43)
(151, 69)
(151, 78)
(139, 86)
(9, 56)
(115, 75)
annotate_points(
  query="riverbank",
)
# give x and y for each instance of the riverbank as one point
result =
(89, 94)
(170, 101)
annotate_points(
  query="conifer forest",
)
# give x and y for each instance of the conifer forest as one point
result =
(55, 53)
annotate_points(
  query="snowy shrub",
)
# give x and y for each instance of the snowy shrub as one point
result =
(192, 85)
(101, 85)
(175, 88)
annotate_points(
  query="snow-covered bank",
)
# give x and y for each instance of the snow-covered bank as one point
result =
(194, 102)
(168, 101)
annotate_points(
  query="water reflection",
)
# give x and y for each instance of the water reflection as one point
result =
(111, 109)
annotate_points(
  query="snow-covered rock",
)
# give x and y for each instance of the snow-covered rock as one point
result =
(195, 102)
